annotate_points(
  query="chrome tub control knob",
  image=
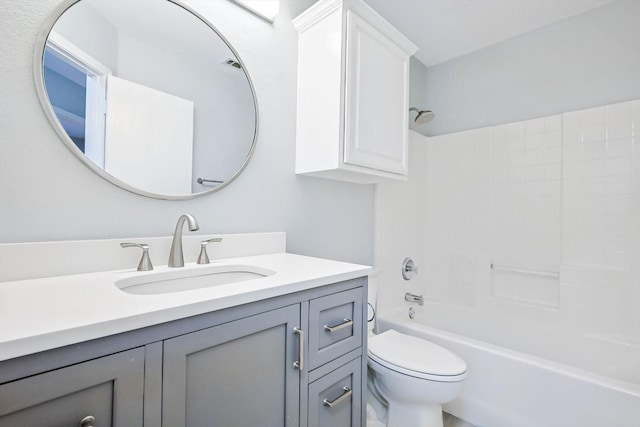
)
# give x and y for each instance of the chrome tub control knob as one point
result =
(409, 269)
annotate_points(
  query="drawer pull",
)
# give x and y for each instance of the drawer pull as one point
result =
(346, 323)
(299, 364)
(344, 396)
(87, 421)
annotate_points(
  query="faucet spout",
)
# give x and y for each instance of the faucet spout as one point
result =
(176, 257)
(418, 299)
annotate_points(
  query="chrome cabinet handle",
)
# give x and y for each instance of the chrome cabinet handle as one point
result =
(344, 396)
(145, 261)
(299, 364)
(346, 323)
(87, 421)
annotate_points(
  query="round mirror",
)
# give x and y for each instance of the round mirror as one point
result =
(147, 94)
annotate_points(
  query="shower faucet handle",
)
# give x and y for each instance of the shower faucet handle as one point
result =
(203, 258)
(409, 269)
(145, 261)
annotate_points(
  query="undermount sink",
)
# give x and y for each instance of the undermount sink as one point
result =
(188, 279)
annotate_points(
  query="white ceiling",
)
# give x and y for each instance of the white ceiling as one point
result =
(445, 29)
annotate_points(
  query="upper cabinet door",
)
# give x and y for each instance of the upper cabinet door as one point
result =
(353, 94)
(377, 90)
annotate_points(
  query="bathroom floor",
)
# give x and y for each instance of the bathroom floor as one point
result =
(453, 421)
(448, 419)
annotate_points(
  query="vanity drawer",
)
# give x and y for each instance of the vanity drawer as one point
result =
(336, 398)
(335, 326)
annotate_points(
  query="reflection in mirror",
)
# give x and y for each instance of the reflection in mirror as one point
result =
(149, 96)
(267, 9)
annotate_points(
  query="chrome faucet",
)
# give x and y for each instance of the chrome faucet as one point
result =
(176, 257)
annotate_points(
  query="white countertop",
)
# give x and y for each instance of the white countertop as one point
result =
(42, 314)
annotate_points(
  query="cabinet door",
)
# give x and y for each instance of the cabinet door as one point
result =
(109, 388)
(237, 374)
(336, 398)
(376, 99)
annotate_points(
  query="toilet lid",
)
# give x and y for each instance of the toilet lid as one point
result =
(414, 356)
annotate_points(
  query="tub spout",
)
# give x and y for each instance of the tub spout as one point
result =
(414, 298)
(176, 257)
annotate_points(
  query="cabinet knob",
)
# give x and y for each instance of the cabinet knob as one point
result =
(87, 421)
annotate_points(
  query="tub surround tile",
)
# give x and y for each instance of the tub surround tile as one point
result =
(555, 193)
(580, 216)
(599, 189)
(529, 212)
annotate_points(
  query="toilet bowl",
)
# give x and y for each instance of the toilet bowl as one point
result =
(415, 377)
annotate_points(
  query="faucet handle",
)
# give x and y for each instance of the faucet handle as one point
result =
(145, 261)
(203, 258)
(409, 269)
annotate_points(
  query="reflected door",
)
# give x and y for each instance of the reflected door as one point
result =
(148, 138)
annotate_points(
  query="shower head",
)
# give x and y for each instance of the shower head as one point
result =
(424, 116)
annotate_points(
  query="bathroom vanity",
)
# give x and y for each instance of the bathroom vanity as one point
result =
(285, 349)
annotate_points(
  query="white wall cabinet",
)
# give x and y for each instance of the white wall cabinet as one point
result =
(353, 93)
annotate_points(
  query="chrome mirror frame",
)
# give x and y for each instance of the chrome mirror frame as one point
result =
(41, 90)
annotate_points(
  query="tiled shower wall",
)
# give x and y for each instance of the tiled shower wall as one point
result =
(559, 197)
(526, 187)
(600, 283)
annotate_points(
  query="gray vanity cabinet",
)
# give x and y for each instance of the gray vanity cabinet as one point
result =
(240, 373)
(296, 360)
(247, 372)
(109, 388)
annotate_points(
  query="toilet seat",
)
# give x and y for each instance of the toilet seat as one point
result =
(416, 357)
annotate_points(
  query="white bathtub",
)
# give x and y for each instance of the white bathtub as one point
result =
(506, 388)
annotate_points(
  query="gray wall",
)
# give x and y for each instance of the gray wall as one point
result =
(47, 194)
(417, 93)
(589, 60)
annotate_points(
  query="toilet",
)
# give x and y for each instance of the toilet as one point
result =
(415, 377)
